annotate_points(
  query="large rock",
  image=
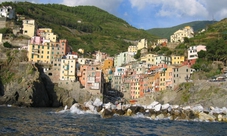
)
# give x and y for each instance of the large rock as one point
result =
(128, 112)
(107, 113)
(136, 109)
(120, 112)
(206, 117)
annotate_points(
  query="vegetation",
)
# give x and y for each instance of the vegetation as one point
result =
(86, 27)
(7, 45)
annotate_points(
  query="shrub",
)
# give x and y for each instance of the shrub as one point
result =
(7, 45)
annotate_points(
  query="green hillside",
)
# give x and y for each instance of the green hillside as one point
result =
(86, 27)
(166, 32)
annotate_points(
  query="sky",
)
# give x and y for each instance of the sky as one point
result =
(147, 14)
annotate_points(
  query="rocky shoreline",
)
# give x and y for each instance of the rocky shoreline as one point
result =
(154, 111)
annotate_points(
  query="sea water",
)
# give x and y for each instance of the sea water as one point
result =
(51, 122)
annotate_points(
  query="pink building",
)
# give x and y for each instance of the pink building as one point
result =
(36, 40)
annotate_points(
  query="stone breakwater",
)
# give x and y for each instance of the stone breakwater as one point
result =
(154, 111)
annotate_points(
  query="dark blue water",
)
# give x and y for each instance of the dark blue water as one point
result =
(40, 121)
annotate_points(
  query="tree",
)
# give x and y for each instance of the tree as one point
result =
(137, 56)
(186, 40)
(202, 54)
(7, 45)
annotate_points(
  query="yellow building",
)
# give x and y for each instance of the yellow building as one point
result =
(39, 53)
(179, 35)
(46, 52)
(142, 44)
(29, 27)
(68, 69)
(176, 60)
(47, 34)
(108, 64)
(149, 58)
(132, 49)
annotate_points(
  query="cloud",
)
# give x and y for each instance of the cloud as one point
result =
(171, 8)
(110, 5)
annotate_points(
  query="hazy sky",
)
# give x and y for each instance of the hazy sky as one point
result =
(146, 14)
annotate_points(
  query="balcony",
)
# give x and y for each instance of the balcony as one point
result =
(95, 87)
(90, 79)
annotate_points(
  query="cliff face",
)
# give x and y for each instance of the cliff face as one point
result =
(22, 83)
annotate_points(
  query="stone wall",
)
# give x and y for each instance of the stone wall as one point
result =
(2, 22)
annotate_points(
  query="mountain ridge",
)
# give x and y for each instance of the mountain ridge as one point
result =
(168, 31)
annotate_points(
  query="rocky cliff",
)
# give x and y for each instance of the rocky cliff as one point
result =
(24, 84)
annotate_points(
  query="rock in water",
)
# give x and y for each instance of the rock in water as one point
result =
(206, 117)
(107, 113)
(128, 112)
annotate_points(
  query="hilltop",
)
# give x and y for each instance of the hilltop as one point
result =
(167, 32)
(86, 27)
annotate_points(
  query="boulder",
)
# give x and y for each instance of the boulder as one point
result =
(160, 116)
(165, 106)
(97, 102)
(151, 106)
(120, 112)
(157, 107)
(136, 109)
(220, 117)
(99, 108)
(107, 113)
(128, 112)
(206, 117)
(69, 102)
(224, 118)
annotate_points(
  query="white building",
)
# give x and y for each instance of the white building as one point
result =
(120, 71)
(193, 51)
(7, 11)
(162, 60)
(123, 58)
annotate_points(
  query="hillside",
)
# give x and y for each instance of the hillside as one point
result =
(216, 31)
(85, 27)
(166, 32)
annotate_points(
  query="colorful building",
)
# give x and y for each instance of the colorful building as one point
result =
(47, 34)
(179, 35)
(177, 60)
(91, 77)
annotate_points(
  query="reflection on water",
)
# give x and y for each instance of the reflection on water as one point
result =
(45, 121)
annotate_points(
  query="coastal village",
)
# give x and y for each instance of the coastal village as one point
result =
(134, 74)
(135, 78)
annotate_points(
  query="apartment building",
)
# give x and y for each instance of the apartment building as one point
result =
(177, 60)
(28, 27)
(47, 34)
(179, 35)
(68, 69)
(181, 74)
(193, 51)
